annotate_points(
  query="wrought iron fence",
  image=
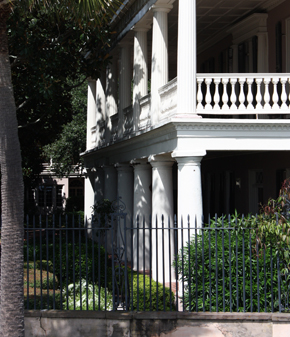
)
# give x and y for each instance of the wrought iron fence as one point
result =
(152, 265)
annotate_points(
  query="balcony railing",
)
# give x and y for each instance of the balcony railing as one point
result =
(264, 96)
(240, 94)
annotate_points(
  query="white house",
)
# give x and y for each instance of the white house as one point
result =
(51, 192)
(192, 116)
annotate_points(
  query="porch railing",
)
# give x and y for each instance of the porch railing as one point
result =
(150, 266)
(254, 96)
(238, 94)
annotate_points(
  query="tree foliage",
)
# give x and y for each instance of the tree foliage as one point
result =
(50, 56)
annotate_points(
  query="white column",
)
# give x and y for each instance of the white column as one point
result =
(97, 183)
(263, 66)
(186, 69)
(110, 193)
(125, 191)
(111, 94)
(110, 182)
(100, 108)
(159, 63)
(162, 205)
(91, 111)
(140, 71)
(189, 191)
(89, 196)
(124, 84)
(142, 208)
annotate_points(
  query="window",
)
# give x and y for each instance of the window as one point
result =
(255, 53)
(76, 187)
(279, 47)
(288, 45)
(59, 196)
(45, 195)
(41, 196)
(256, 190)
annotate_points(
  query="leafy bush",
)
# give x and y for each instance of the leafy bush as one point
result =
(47, 302)
(149, 298)
(84, 296)
(230, 269)
(74, 261)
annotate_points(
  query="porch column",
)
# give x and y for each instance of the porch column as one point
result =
(111, 94)
(89, 196)
(125, 191)
(159, 63)
(110, 193)
(100, 108)
(263, 48)
(142, 208)
(124, 84)
(189, 191)
(162, 205)
(110, 182)
(91, 111)
(140, 70)
(97, 183)
(186, 68)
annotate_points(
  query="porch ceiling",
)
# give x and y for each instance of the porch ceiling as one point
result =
(216, 16)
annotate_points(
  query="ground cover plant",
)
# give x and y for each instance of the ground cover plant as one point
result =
(85, 296)
(41, 289)
(63, 260)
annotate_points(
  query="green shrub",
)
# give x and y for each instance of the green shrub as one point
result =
(39, 304)
(231, 269)
(73, 262)
(83, 296)
(150, 295)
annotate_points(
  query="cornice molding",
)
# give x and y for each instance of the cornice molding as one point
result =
(202, 125)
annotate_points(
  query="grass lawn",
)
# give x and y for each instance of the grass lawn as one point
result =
(37, 295)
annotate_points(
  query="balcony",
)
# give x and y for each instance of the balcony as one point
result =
(219, 96)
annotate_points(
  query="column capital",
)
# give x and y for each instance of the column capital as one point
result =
(160, 160)
(141, 27)
(108, 167)
(142, 161)
(90, 79)
(123, 167)
(141, 165)
(163, 6)
(185, 154)
(125, 43)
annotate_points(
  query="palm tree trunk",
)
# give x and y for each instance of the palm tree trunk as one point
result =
(11, 297)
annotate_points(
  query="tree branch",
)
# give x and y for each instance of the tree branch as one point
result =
(23, 104)
(32, 123)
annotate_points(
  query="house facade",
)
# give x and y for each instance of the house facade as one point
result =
(192, 115)
(51, 193)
